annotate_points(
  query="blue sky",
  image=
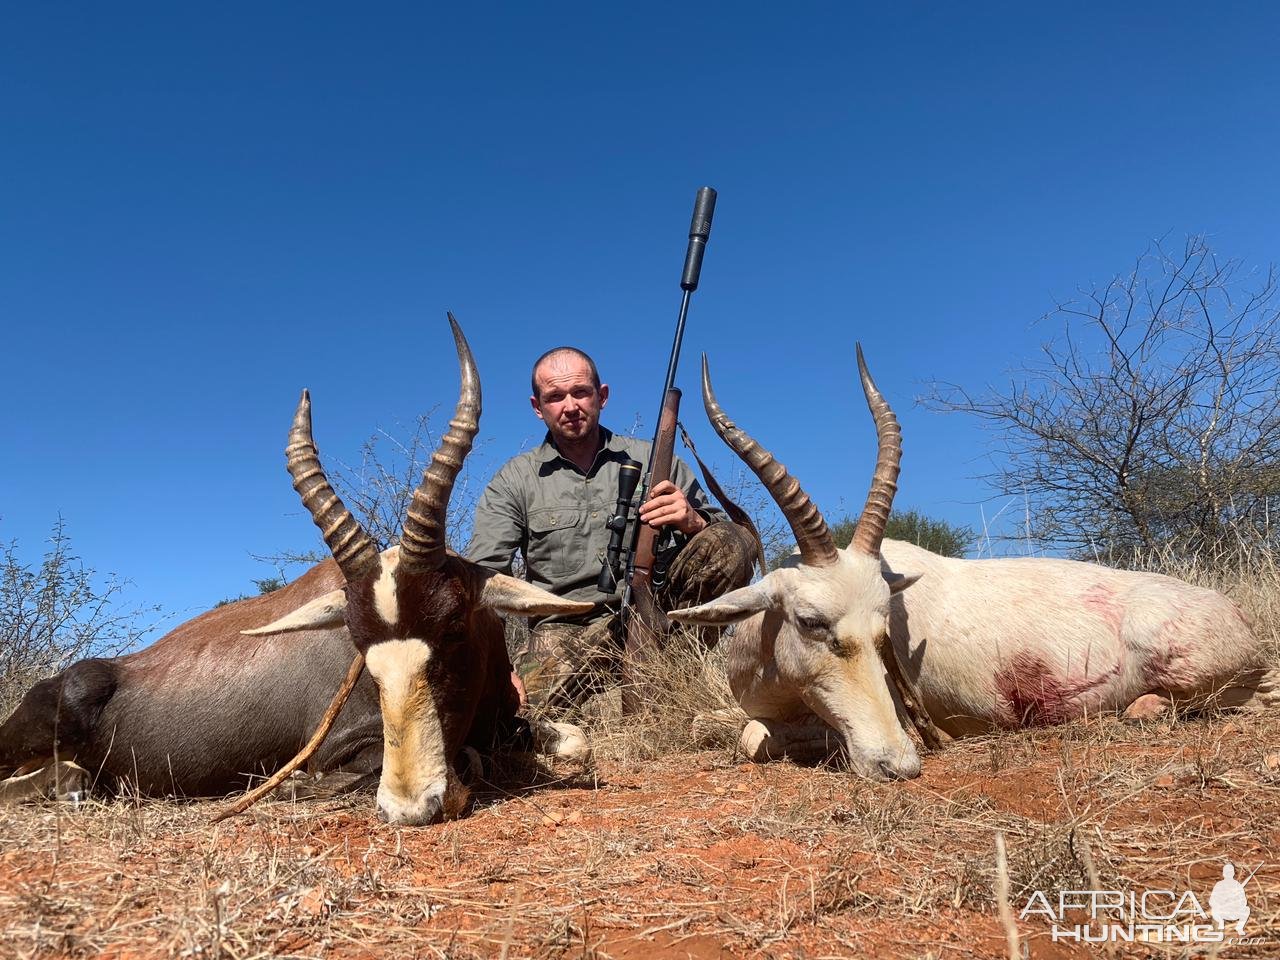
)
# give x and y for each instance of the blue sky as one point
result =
(203, 210)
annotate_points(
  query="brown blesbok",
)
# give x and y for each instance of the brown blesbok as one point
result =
(222, 698)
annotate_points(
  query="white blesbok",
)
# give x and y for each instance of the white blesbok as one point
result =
(977, 645)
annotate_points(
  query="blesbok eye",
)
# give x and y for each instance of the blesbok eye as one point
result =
(812, 624)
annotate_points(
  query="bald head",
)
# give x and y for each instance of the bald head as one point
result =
(556, 356)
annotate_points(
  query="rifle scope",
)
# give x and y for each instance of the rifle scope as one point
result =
(628, 480)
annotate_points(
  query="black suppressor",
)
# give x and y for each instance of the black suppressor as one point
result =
(704, 207)
(628, 480)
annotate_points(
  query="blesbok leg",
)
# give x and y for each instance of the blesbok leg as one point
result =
(564, 741)
(808, 740)
(1149, 706)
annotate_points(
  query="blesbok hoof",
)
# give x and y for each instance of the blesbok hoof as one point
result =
(563, 741)
(323, 786)
(755, 743)
(1149, 706)
(806, 742)
(63, 780)
(470, 765)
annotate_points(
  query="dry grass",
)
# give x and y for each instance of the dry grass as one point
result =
(683, 682)
(687, 854)
(668, 849)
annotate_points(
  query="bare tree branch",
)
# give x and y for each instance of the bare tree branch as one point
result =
(1153, 418)
(58, 613)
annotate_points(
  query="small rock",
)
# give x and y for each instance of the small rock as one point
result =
(312, 903)
(1164, 780)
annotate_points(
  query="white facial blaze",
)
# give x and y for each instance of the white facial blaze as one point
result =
(849, 690)
(852, 695)
(414, 766)
(384, 591)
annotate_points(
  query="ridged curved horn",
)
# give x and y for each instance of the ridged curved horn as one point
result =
(422, 542)
(884, 482)
(350, 545)
(817, 549)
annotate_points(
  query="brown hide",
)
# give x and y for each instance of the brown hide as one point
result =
(204, 706)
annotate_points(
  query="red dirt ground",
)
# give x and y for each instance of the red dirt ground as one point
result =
(693, 855)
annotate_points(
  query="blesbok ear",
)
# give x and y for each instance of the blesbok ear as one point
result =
(505, 594)
(733, 606)
(321, 613)
(900, 581)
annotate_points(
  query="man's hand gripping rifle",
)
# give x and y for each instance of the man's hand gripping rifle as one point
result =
(642, 620)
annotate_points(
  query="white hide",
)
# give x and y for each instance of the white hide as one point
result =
(1017, 642)
(988, 643)
(1023, 641)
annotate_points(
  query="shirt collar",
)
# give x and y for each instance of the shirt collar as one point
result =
(547, 453)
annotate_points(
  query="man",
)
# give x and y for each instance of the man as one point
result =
(551, 505)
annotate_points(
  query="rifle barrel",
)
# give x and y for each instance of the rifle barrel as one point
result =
(704, 208)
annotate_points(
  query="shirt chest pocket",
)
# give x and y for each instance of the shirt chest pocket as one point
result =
(557, 548)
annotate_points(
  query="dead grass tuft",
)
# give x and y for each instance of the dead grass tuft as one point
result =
(684, 683)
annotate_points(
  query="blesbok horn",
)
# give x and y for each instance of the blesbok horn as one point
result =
(351, 546)
(422, 543)
(884, 481)
(817, 549)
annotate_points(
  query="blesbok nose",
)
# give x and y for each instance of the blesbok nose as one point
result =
(902, 766)
(422, 813)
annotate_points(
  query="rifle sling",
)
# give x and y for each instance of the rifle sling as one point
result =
(735, 512)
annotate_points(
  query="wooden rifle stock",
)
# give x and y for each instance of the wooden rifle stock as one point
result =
(645, 622)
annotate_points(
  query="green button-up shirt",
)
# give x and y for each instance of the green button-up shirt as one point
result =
(543, 506)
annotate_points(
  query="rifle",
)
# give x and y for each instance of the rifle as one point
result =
(643, 621)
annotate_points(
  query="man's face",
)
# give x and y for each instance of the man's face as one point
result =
(567, 401)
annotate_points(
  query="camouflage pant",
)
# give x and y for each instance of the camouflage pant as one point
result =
(567, 663)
